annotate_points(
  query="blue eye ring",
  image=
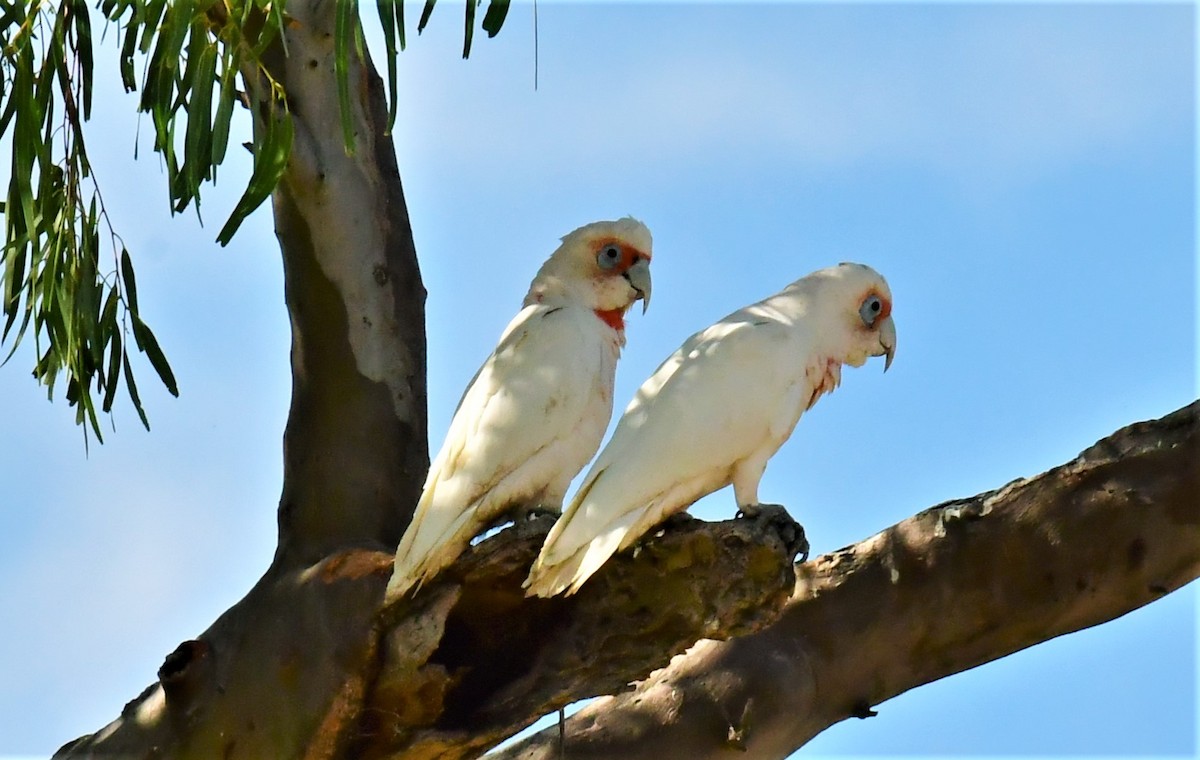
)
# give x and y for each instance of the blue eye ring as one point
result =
(608, 257)
(870, 309)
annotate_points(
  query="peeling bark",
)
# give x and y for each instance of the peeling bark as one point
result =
(958, 585)
(355, 447)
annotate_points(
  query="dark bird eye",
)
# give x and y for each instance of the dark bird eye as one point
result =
(608, 257)
(870, 310)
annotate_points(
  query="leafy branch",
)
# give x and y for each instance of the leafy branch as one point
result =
(80, 314)
(77, 315)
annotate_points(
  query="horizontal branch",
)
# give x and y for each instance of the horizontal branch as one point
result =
(958, 585)
(309, 665)
(472, 660)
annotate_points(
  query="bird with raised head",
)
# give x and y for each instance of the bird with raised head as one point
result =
(537, 409)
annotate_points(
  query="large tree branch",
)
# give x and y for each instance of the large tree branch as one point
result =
(497, 661)
(957, 585)
(310, 665)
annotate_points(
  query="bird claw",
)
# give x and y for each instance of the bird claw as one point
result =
(776, 517)
(748, 512)
(799, 546)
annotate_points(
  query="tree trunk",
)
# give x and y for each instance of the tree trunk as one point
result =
(355, 451)
(267, 676)
(958, 585)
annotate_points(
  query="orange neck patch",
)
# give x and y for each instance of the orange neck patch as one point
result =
(614, 318)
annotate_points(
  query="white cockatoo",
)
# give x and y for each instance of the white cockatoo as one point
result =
(536, 411)
(714, 412)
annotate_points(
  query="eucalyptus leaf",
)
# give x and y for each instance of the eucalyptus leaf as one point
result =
(182, 55)
(130, 282)
(149, 344)
(493, 19)
(114, 373)
(469, 27)
(270, 160)
(425, 14)
(131, 386)
(387, 20)
(346, 15)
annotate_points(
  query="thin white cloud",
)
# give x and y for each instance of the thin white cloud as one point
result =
(1011, 93)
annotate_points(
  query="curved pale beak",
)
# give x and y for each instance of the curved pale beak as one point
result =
(638, 276)
(887, 339)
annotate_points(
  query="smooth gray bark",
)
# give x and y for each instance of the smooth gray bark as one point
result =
(355, 447)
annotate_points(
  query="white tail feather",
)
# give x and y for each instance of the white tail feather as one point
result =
(571, 573)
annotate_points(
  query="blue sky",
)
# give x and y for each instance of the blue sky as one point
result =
(1023, 175)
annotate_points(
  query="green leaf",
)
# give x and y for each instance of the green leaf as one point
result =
(494, 18)
(107, 321)
(130, 282)
(14, 282)
(270, 161)
(87, 294)
(469, 28)
(400, 22)
(11, 16)
(91, 416)
(198, 140)
(196, 40)
(164, 62)
(128, 79)
(150, 12)
(25, 133)
(387, 19)
(347, 13)
(149, 344)
(8, 97)
(276, 25)
(131, 386)
(114, 373)
(425, 12)
(28, 313)
(52, 246)
(83, 33)
(225, 101)
(56, 323)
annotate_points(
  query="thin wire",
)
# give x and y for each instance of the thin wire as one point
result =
(535, 47)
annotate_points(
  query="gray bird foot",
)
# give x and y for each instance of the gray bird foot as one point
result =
(749, 511)
(776, 517)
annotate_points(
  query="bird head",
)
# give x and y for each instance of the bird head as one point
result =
(859, 302)
(604, 266)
